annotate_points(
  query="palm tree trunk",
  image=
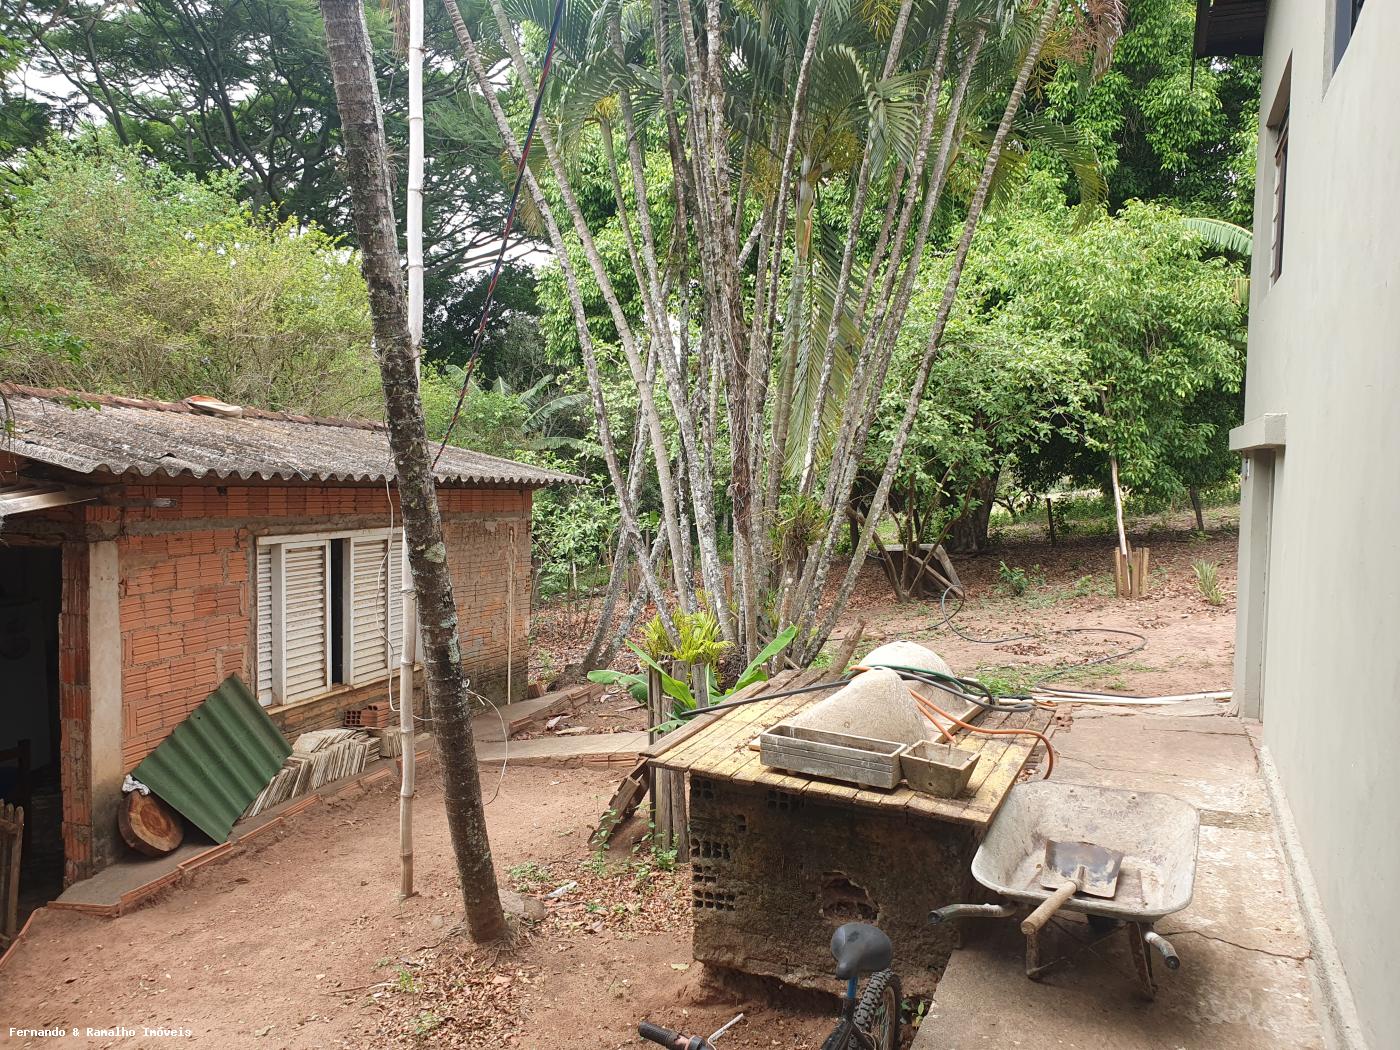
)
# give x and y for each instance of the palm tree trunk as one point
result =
(595, 387)
(367, 176)
(818, 637)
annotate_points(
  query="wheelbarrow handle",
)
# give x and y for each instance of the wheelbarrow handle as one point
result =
(1164, 949)
(1033, 922)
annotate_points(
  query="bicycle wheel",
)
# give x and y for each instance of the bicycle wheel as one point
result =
(842, 1037)
(877, 1013)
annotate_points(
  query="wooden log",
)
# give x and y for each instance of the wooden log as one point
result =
(941, 554)
(148, 825)
(11, 842)
(847, 652)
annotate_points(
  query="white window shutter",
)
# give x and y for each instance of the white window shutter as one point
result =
(369, 592)
(301, 579)
(264, 663)
(395, 618)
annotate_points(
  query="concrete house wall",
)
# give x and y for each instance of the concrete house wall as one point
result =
(1318, 646)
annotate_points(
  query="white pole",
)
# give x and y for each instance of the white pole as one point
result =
(408, 647)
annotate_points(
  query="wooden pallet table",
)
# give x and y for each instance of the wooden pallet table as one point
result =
(780, 860)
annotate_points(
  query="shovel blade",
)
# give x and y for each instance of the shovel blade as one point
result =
(1095, 867)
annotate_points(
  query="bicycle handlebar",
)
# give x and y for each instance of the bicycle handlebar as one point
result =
(672, 1040)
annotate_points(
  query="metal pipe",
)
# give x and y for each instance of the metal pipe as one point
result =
(970, 911)
(1164, 949)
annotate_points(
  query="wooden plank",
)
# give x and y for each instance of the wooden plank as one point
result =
(708, 745)
(732, 754)
(741, 757)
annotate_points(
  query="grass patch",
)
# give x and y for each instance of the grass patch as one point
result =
(528, 877)
(1020, 679)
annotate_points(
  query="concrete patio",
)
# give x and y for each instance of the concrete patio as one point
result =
(1247, 975)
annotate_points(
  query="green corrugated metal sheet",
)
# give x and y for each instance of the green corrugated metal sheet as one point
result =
(217, 760)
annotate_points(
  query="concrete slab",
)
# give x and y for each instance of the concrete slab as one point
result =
(586, 749)
(1245, 979)
(1221, 997)
(487, 726)
(106, 889)
(1209, 762)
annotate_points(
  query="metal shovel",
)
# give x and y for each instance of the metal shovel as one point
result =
(1070, 868)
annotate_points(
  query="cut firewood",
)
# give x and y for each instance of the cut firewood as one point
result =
(148, 825)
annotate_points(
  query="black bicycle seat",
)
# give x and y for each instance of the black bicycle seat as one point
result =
(860, 948)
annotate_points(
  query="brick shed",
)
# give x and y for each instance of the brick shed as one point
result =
(149, 549)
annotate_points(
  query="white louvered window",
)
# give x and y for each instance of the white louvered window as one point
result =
(328, 612)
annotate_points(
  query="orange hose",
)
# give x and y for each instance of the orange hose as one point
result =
(930, 708)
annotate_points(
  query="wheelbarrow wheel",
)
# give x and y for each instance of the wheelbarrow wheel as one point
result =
(877, 1013)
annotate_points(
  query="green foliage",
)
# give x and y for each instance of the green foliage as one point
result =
(1015, 580)
(1208, 582)
(1165, 131)
(1121, 338)
(121, 276)
(696, 639)
(700, 640)
(528, 876)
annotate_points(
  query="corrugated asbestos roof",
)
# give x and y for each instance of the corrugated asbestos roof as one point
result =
(216, 760)
(91, 433)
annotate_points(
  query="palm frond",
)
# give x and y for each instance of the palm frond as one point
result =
(1221, 235)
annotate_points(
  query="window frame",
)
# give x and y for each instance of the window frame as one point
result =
(1278, 217)
(270, 625)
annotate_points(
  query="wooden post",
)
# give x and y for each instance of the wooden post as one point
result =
(11, 842)
(1050, 518)
(668, 814)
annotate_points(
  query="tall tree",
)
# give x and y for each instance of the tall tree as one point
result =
(371, 200)
(773, 319)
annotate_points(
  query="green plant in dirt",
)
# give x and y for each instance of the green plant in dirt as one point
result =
(655, 642)
(1208, 582)
(427, 1022)
(1016, 581)
(528, 876)
(681, 694)
(606, 825)
(700, 641)
(404, 982)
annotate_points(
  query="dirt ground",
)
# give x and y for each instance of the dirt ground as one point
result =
(1069, 612)
(300, 941)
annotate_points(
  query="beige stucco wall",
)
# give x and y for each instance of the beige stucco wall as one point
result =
(1324, 350)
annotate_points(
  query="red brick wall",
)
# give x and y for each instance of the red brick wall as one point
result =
(187, 604)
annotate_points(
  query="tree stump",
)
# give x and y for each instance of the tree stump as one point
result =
(148, 825)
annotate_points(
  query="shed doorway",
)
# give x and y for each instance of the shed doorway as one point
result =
(30, 739)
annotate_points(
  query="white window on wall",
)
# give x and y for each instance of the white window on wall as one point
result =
(328, 608)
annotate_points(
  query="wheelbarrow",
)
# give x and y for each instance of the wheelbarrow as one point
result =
(1155, 834)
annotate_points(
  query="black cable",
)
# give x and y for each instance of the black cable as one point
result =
(818, 687)
(947, 621)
